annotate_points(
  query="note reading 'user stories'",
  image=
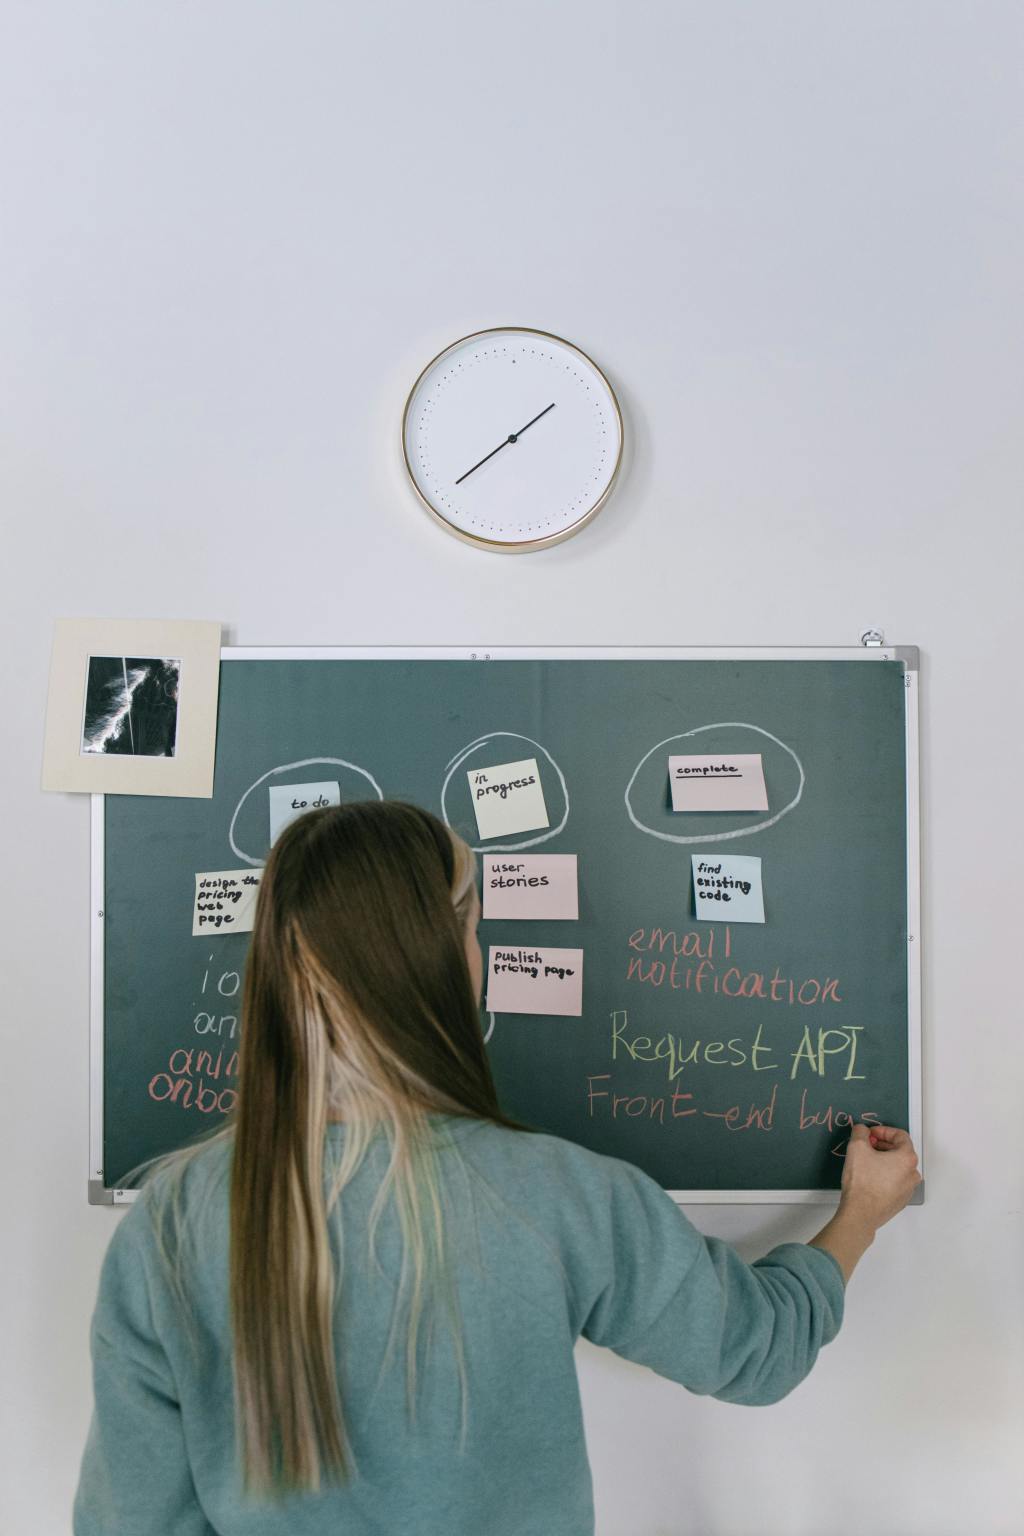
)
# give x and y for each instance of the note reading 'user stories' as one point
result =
(530, 885)
(523, 980)
(508, 798)
(289, 801)
(727, 888)
(225, 901)
(724, 783)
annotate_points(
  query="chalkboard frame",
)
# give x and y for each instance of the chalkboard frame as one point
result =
(866, 653)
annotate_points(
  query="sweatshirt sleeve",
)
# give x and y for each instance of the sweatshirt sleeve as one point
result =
(135, 1478)
(692, 1310)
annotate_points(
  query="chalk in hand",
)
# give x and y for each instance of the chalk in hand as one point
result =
(508, 798)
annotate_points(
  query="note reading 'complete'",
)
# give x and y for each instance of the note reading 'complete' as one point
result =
(718, 783)
(535, 980)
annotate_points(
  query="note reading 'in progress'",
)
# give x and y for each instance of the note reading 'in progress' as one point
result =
(718, 783)
(530, 885)
(727, 887)
(287, 801)
(508, 798)
(535, 981)
(226, 901)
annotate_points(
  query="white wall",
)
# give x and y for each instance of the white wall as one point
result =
(792, 233)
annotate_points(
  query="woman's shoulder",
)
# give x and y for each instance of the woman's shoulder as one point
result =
(585, 1218)
(175, 1192)
(546, 1165)
(191, 1171)
(532, 1145)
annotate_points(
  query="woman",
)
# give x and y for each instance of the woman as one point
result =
(386, 1342)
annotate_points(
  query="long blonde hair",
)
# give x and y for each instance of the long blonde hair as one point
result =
(357, 1005)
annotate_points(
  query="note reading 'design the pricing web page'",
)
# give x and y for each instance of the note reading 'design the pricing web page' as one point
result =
(225, 901)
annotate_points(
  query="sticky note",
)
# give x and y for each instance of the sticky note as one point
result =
(287, 801)
(525, 980)
(530, 885)
(226, 901)
(722, 783)
(727, 887)
(508, 798)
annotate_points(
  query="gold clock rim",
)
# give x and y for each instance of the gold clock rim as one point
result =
(519, 546)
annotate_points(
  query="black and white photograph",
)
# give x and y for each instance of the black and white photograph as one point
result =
(131, 706)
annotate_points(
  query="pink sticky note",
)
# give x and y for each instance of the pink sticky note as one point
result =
(521, 979)
(726, 782)
(530, 885)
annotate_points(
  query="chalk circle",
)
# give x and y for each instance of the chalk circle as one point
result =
(715, 837)
(306, 762)
(461, 756)
(490, 1028)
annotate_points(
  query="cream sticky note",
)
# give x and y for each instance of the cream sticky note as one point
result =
(530, 885)
(722, 783)
(508, 798)
(287, 801)
(226, 901)
(727, 887)
(524, 980)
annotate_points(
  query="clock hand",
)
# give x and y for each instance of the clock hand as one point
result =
(512, 437)
(484, 460)
(530, 423)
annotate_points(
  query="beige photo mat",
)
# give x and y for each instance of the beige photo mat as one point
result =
(194, 646)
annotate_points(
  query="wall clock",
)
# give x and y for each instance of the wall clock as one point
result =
(512, 438)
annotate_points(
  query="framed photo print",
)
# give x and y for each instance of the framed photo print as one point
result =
(132, 707)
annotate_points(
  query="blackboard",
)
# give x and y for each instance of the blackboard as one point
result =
(760, 1039)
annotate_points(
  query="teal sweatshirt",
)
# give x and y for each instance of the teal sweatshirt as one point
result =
(548, 1242)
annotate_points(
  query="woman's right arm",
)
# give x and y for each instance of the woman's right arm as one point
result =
(879, 1178)
(692, 1309)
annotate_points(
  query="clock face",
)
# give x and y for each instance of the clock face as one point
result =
(512, 438)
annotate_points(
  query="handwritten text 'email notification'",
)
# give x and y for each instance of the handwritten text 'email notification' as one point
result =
(540, 980)
(724, 783)
(508, 798)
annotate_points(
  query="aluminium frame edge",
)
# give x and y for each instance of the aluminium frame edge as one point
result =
(98, 1194)
(912, 768)
(482, 652)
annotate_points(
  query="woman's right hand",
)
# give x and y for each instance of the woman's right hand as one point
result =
(880, 1173)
